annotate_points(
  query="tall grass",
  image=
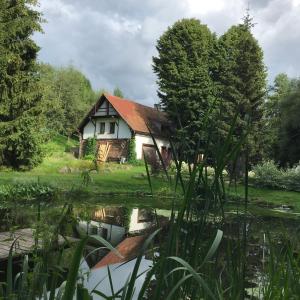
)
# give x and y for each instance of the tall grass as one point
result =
(196, 260)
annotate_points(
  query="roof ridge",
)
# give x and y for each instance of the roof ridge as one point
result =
(129, 100)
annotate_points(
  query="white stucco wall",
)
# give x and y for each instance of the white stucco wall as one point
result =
(145, 139)
(134, 224)
(115, 234)
(88, 130)
(122, 130)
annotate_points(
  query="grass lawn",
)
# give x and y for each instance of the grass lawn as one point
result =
(111, 178)
(117, 178)
(269, 196)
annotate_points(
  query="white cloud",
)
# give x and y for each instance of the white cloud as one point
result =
(203, 7)
(113, 42)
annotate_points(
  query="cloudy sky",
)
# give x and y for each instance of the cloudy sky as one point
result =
(112, 41)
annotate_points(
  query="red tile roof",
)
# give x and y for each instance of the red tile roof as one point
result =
(136, 115)
(129, 249)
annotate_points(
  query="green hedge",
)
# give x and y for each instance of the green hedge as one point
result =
(26, 192)
(91, 147)
(269, 175)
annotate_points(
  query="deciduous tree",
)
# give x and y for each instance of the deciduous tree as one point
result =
(67, 96)
(118, 92)
(289, 135)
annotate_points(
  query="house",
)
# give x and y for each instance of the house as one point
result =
(114, 121)
(109, 223)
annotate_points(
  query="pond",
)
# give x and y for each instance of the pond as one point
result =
(125, 227)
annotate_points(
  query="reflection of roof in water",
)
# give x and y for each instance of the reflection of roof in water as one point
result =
(129, 249)
(119, 273)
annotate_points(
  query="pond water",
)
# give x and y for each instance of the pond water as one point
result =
(117, 223)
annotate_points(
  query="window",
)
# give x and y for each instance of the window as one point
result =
(112, 126)
(102, 128)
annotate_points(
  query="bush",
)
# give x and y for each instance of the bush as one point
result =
(292, 178)
(89, 157)
(26, 192)
(269, 175)
(139, 163)
(91, 147)
(131, 151)
(184, 168)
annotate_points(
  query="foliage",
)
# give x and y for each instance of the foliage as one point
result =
(131, 151)
(39, 273)
(117, 92)
(21, 118)
(57, 145)
(243, 80)
(185, 67)
(191, 264)
(27, 192)
(67, 96)
(281, 130)
(91, 147)
(272, 116)
(269, 175)
(289, 135)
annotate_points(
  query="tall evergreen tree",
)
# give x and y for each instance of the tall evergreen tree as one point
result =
(185, 67)
(243, 78)
(20, 114)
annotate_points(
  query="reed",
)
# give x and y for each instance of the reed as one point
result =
(196, 260)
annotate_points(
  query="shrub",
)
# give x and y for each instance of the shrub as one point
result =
(131, 151)
(269, 175)
(91, 147)
(89, 157)
(27, 191)
(184, 168)
(139, 162)
(291, 178)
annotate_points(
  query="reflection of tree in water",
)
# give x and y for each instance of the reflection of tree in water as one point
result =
(145, 215)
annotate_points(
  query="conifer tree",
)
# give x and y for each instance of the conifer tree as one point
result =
(20, 114)
(243, 78)
(185, 67)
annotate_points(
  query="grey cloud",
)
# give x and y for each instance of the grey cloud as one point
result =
(113, 42)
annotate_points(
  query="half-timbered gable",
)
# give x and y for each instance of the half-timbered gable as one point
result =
(113, 121)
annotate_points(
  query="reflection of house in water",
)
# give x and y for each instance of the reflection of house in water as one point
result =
(115, 222)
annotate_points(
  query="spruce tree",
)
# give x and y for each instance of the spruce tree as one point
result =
(243, 77)
(185, 66)
(20, 114)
